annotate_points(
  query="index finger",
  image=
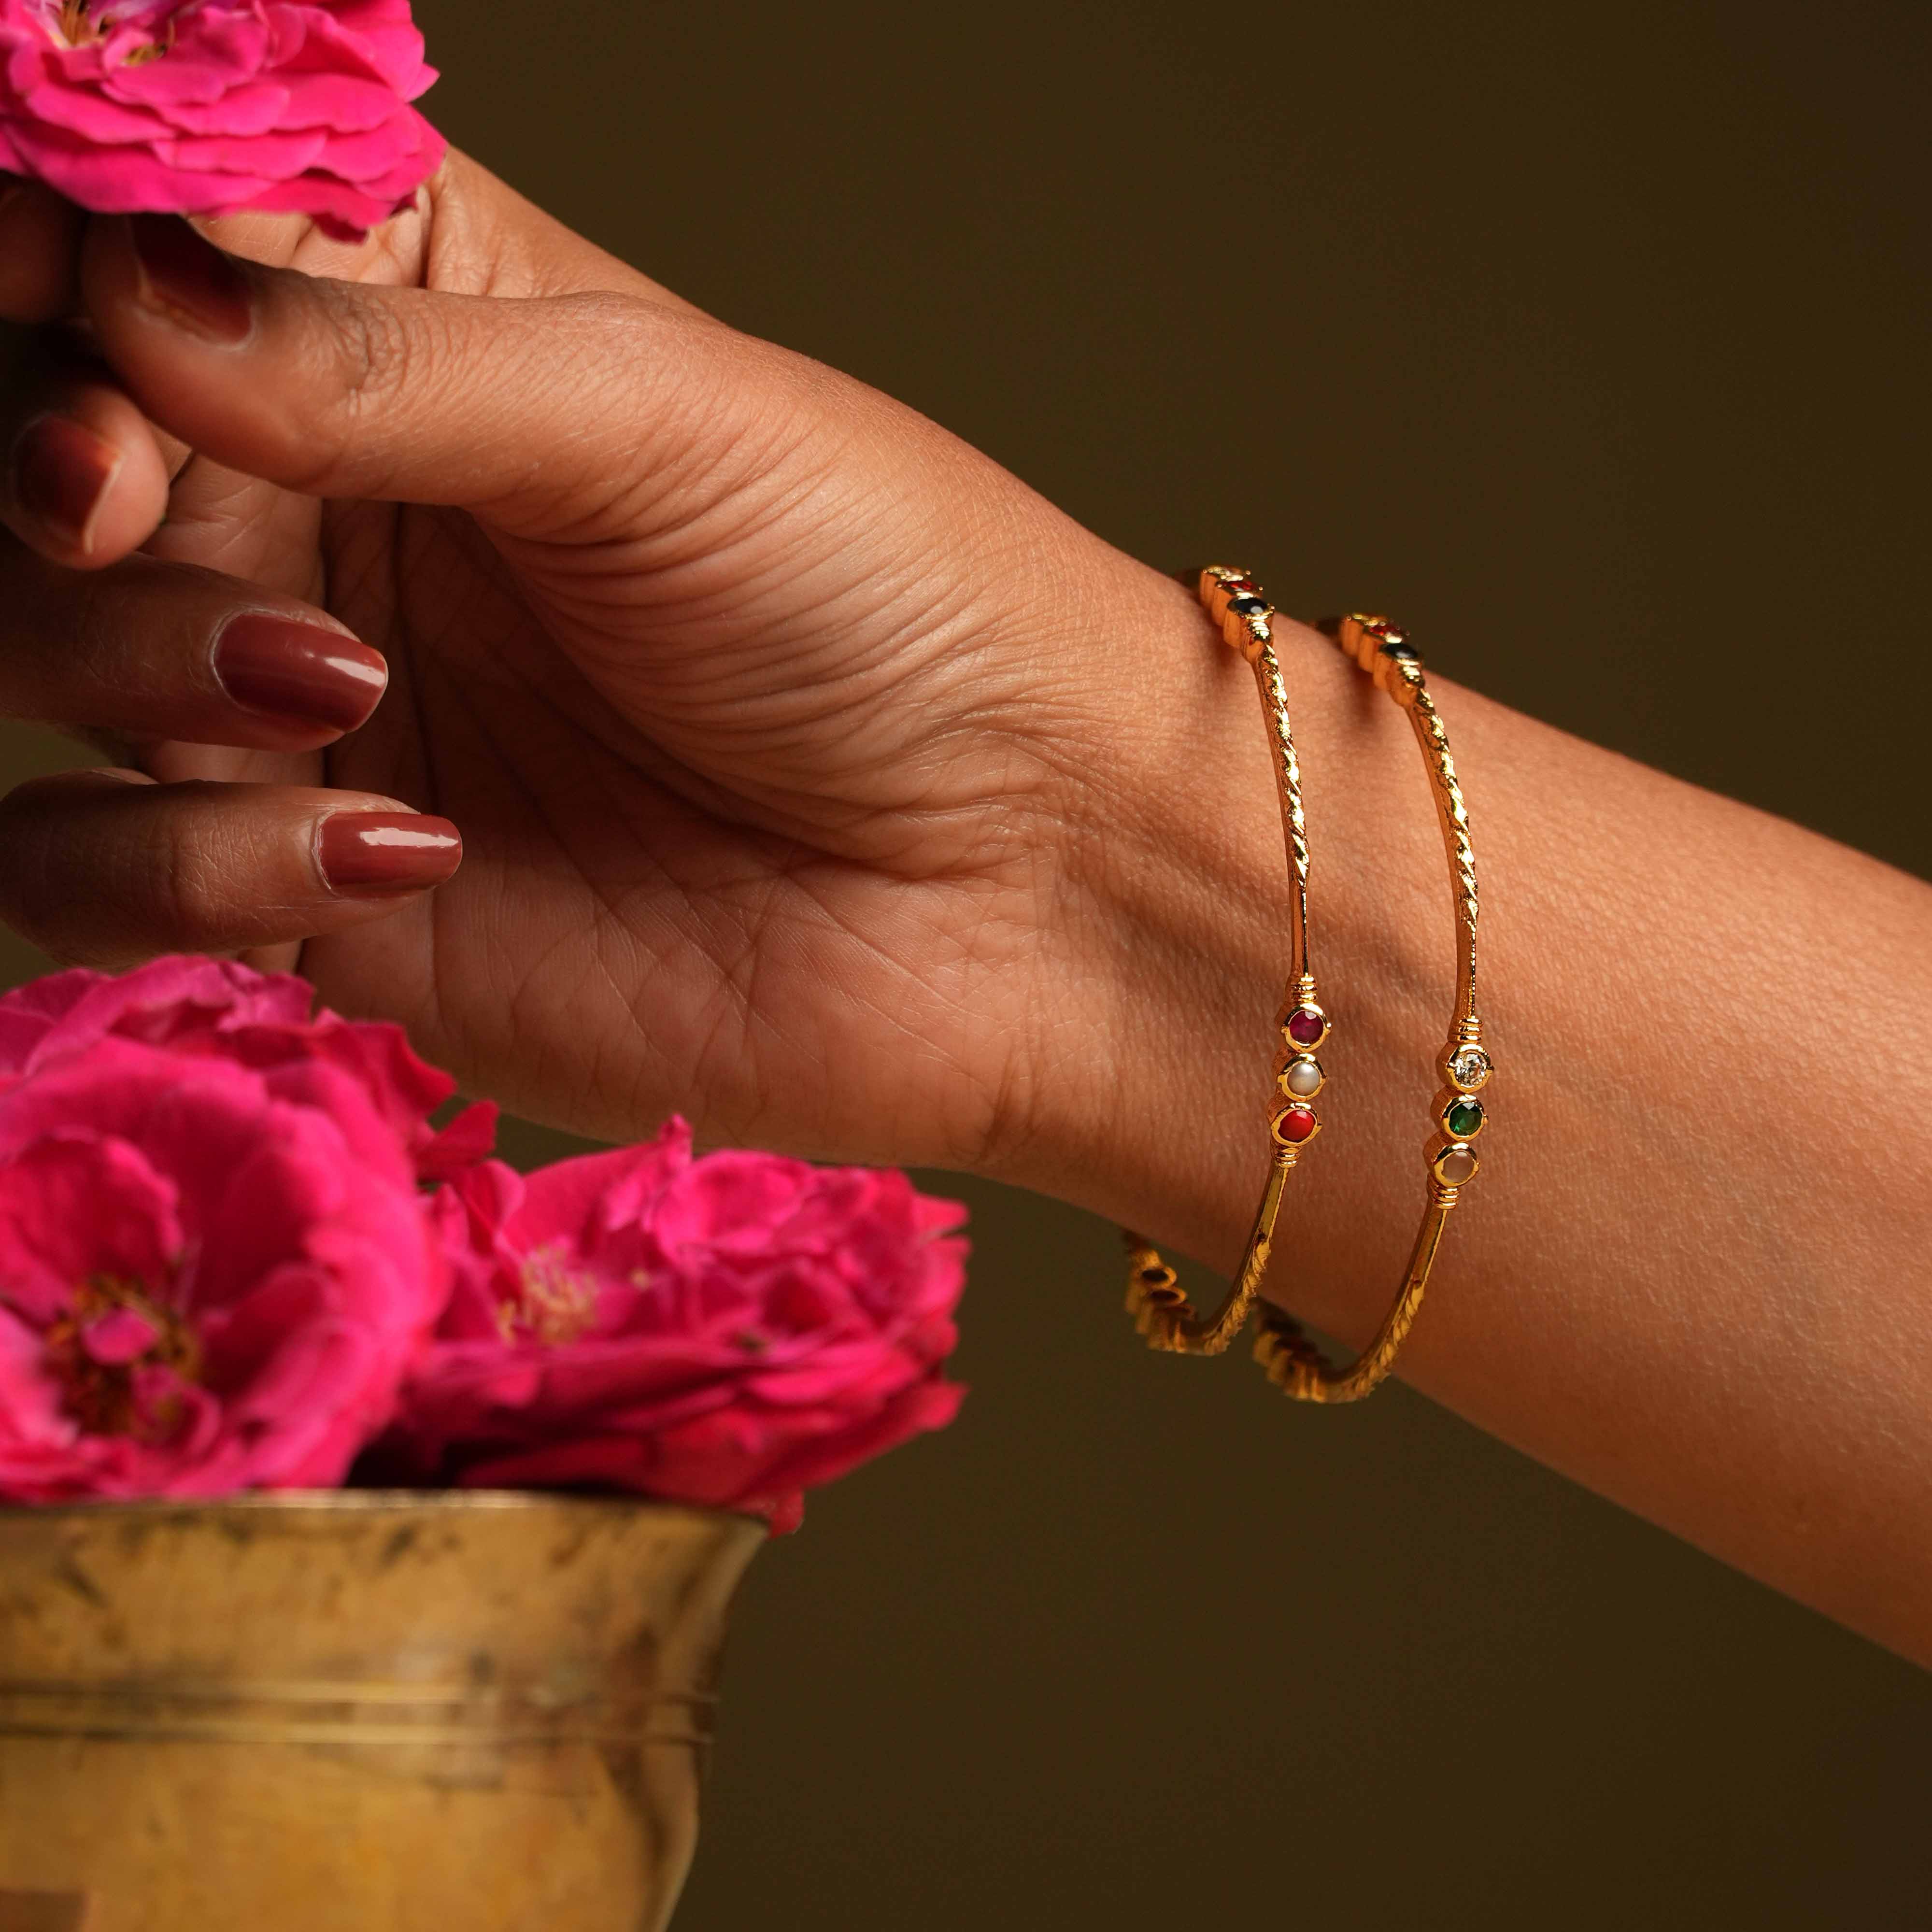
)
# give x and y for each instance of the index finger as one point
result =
(39, 252)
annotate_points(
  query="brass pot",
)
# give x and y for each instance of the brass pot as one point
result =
(358, 1712)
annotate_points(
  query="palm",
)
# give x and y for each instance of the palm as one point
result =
(680, 887)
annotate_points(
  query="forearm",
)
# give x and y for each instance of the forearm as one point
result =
(1694, 1272)
(818, 779)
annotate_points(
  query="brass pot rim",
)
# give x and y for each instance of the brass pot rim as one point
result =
(372, 1502)
(378, 1708)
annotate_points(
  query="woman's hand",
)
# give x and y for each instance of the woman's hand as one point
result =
(754, 699)
(816, 778)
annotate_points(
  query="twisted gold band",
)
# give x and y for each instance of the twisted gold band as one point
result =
(1160, 1310)
(1282, 1347)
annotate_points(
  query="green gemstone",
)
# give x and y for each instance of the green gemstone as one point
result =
(1464, 1118)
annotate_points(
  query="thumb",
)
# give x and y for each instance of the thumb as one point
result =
(533, 410)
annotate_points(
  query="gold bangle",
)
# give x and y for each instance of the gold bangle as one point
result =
(1160, 1310)
(1283, 1347)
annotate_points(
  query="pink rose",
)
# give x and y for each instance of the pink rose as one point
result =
(212, 1275)
(727, 1332)
(210, 107)
(191, 1005)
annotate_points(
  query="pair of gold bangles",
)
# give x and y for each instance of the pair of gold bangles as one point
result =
(1161, 1311)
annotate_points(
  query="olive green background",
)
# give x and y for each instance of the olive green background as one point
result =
(1590, 341)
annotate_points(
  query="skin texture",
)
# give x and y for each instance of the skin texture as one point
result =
(818, 779)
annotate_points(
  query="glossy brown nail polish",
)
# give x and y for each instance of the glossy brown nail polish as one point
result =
(189, 282)
(373, 854)
(61, 470)
(302, 674)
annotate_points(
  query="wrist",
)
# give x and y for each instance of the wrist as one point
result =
(1151, 1096)
(1177, 935)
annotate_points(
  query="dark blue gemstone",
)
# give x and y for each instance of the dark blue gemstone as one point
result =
(1400, 651)
(1248, 606)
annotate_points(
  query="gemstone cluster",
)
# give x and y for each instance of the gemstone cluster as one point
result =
(1467, 1067)
(1303, 1077)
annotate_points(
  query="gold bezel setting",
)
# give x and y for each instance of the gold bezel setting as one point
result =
(1296, 1044)
(1298, 1113)
(1293, 1065)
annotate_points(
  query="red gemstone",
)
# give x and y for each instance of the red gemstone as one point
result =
(1296, 1125)
(1305, 1026)
(1238, 583)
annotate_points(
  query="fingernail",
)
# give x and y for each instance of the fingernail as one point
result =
(190, 282)
(300, 673)
(370, 853)
(61, 471)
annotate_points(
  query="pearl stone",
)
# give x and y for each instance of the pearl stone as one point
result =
(1454, 1165)
(1303, 1079)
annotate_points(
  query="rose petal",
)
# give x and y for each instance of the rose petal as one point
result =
(738, 1328)
(243, 1243)
(301, 106)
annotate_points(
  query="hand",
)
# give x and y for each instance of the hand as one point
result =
(768, 714)
(817, 778)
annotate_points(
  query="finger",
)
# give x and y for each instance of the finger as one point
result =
(468, 232)
(84, 481)
(149, 650)
(491, 241)
(340, 390)
(39, 252)
(102, 868)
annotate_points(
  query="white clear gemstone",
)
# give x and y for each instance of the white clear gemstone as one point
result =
(1303, 1079)
(1469, 1067)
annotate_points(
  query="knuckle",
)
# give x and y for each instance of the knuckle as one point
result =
(367, 352)
(175, 880)
(604, 315)
(613, 341)
(24, 856)
(46, 850)
(640, 348)
(93, 629)
(371, 347)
